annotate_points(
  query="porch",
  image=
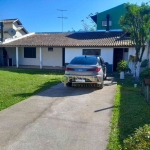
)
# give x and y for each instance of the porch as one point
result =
(32, 57)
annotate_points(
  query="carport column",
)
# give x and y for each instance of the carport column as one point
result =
(17, 65)
(40, 58)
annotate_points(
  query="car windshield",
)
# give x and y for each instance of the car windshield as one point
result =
(84, 61)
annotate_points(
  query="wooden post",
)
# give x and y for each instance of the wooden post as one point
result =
(41, 58)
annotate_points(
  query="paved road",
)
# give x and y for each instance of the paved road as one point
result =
(60, 118)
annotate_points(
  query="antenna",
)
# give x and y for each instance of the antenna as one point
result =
(62, 17)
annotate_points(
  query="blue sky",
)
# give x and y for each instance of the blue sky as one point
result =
(42, 15)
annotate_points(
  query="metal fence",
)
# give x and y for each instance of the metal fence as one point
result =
(146, 92)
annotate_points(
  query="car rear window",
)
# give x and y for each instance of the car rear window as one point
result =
(84, 61)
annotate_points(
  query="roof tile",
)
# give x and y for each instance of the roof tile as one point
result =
(76, 39)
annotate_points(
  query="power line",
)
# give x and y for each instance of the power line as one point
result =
(62, 17)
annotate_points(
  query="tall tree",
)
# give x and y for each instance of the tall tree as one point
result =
(136, 21)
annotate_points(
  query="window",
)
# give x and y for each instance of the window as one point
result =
(104, 23)
(91, 51)
(29, 52)
(84, 61)
(50, 49)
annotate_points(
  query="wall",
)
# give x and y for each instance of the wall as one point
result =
(115, 14)
(7, 26)
(53, 58)
(106, 53)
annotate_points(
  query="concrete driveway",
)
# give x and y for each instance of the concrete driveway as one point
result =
(59, 118)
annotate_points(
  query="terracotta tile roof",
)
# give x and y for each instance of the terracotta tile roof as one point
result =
(76, 39)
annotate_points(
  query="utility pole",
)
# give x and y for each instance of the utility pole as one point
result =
(62, 17)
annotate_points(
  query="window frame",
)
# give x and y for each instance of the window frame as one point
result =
(90, 51)
(110, 23)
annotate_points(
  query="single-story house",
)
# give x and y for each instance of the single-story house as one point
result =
(57, 49)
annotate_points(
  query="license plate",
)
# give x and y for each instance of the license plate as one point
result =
(79, 80)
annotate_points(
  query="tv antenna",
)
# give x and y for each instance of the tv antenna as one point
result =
(62, 17)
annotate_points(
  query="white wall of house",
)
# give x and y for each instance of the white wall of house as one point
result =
(106, 53)
(72, 52)
(28, 61)
(52, 58)
(49, 58)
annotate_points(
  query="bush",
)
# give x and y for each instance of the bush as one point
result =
(140, 140)
(122, 66)
(145, 73)
(144, 63)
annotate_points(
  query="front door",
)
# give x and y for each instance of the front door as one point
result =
(118, 55)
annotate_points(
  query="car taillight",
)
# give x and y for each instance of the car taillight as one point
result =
(69, 69)
(94, 69)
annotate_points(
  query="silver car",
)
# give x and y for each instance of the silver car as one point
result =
(86, 71)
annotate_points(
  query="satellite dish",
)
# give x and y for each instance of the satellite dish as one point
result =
(11, 32)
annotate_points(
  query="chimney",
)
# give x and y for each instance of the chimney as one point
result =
(107, 17)
(2, 31)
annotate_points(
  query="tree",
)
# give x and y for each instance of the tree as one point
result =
(136, 21)
(91, 26)
(87, 27)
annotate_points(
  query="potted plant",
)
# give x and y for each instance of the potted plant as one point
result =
(122, 67)
(146, 76)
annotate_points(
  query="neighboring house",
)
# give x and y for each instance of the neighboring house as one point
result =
(13, 28)
(113, 15)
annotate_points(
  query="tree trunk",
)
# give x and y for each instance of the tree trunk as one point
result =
(137, 69)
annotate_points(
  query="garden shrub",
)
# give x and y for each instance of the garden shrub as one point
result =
(140, 140)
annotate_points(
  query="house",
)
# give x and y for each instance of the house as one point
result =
(12, 28)
(57, 49)
(113, 15)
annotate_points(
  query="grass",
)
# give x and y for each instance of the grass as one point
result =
(19, 84)
(130, 111)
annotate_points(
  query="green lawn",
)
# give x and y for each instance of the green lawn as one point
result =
(19, 84)
(130, 111)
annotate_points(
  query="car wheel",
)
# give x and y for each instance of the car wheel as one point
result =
(69, 84)
(100, 86)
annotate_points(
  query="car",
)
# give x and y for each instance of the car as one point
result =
(86, 71)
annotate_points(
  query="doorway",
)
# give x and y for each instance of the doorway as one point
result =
(118, 55)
